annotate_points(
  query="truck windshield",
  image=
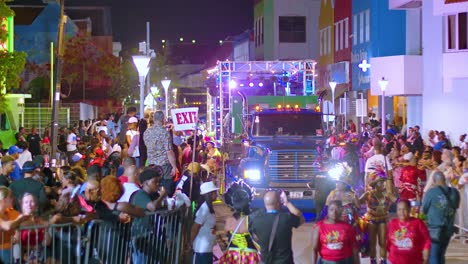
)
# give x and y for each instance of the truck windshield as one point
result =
(287, 123)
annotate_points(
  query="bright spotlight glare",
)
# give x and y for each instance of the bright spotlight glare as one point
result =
(232, 84)
(251, 84)
(336, 172)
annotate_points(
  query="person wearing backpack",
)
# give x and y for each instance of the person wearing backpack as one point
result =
(440, 204)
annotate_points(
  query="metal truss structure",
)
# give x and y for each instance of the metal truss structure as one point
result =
(225, 71)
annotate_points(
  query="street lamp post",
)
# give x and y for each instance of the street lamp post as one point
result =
(383, 85)
(333, 86)
(154, 90)
(165, 83)
(141, 63)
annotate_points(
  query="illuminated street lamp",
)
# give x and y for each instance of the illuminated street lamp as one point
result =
(141, 63)
(333, 86)
(165, 83)
(154, 91)
(383, 85)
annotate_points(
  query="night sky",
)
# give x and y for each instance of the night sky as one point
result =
(206, 21)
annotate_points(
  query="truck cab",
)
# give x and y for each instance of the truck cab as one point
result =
(284, 153)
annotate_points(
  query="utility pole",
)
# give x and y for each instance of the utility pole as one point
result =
(148, 53)
(57, 88)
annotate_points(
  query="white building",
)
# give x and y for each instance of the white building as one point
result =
(445, 66)
(286, 30)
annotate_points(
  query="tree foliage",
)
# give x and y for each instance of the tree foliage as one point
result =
(84, 62)
(11, 63)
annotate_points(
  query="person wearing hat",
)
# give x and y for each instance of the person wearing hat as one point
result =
(241, 247)
(202, 235)
(378, 201)
(122, 125)
(213, 156)
(133, 139)
(344, 193)
(14, 152)
(29, 185)
(144, 198)
(183, 185)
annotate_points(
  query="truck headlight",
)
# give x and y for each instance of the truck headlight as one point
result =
(253, 175)
(336, 172)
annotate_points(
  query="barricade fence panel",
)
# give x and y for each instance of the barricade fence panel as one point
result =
(59, 243)
(156, 238)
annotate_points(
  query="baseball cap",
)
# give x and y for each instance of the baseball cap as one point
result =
(132, 120)
(29, 166)
(14, 149)
(77, 157)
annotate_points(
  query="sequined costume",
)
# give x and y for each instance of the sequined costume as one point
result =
(242, 249)
(377, 208)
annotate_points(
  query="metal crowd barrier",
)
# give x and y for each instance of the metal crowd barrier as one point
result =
(157, 238)
(59, 243)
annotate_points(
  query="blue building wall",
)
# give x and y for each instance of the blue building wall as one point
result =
(35, 39)
(385, 35)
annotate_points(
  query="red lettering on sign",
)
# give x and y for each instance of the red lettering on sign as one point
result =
(186, 117)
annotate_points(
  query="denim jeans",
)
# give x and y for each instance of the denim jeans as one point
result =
(138, 256)
(5, 255)
(437, 255)
(203, 258)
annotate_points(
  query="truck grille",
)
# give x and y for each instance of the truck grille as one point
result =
(288, 165)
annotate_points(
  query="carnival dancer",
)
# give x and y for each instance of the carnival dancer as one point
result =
(408, 239)
(412, 184)
(241, 248)
(350, 209)
(334, 241)
(378, 202)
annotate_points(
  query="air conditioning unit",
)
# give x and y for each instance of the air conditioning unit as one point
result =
(405, 4)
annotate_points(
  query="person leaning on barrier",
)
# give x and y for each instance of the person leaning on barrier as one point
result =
(144, 198)
(142, 228)
(111, 191)
(10, 219)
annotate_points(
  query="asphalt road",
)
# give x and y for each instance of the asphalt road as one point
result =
(457, 253)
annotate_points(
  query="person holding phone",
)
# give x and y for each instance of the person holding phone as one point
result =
(272, 228)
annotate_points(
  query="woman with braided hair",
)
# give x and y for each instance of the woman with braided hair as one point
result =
(241, 248)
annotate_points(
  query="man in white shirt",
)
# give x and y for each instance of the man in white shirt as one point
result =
(377, 164)
(131, 186)
(71, 143)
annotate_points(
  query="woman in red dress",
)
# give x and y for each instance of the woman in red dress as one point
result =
(333, 240)
(408, 239)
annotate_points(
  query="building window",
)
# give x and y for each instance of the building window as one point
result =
(367, 25)
(262, 29)
(457, 32)
(355, 20)
(337, 36)
(346, 33)
(292, 29)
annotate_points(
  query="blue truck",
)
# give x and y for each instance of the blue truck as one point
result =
(284, 148)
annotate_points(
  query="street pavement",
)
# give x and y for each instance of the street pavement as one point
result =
(457, 252)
